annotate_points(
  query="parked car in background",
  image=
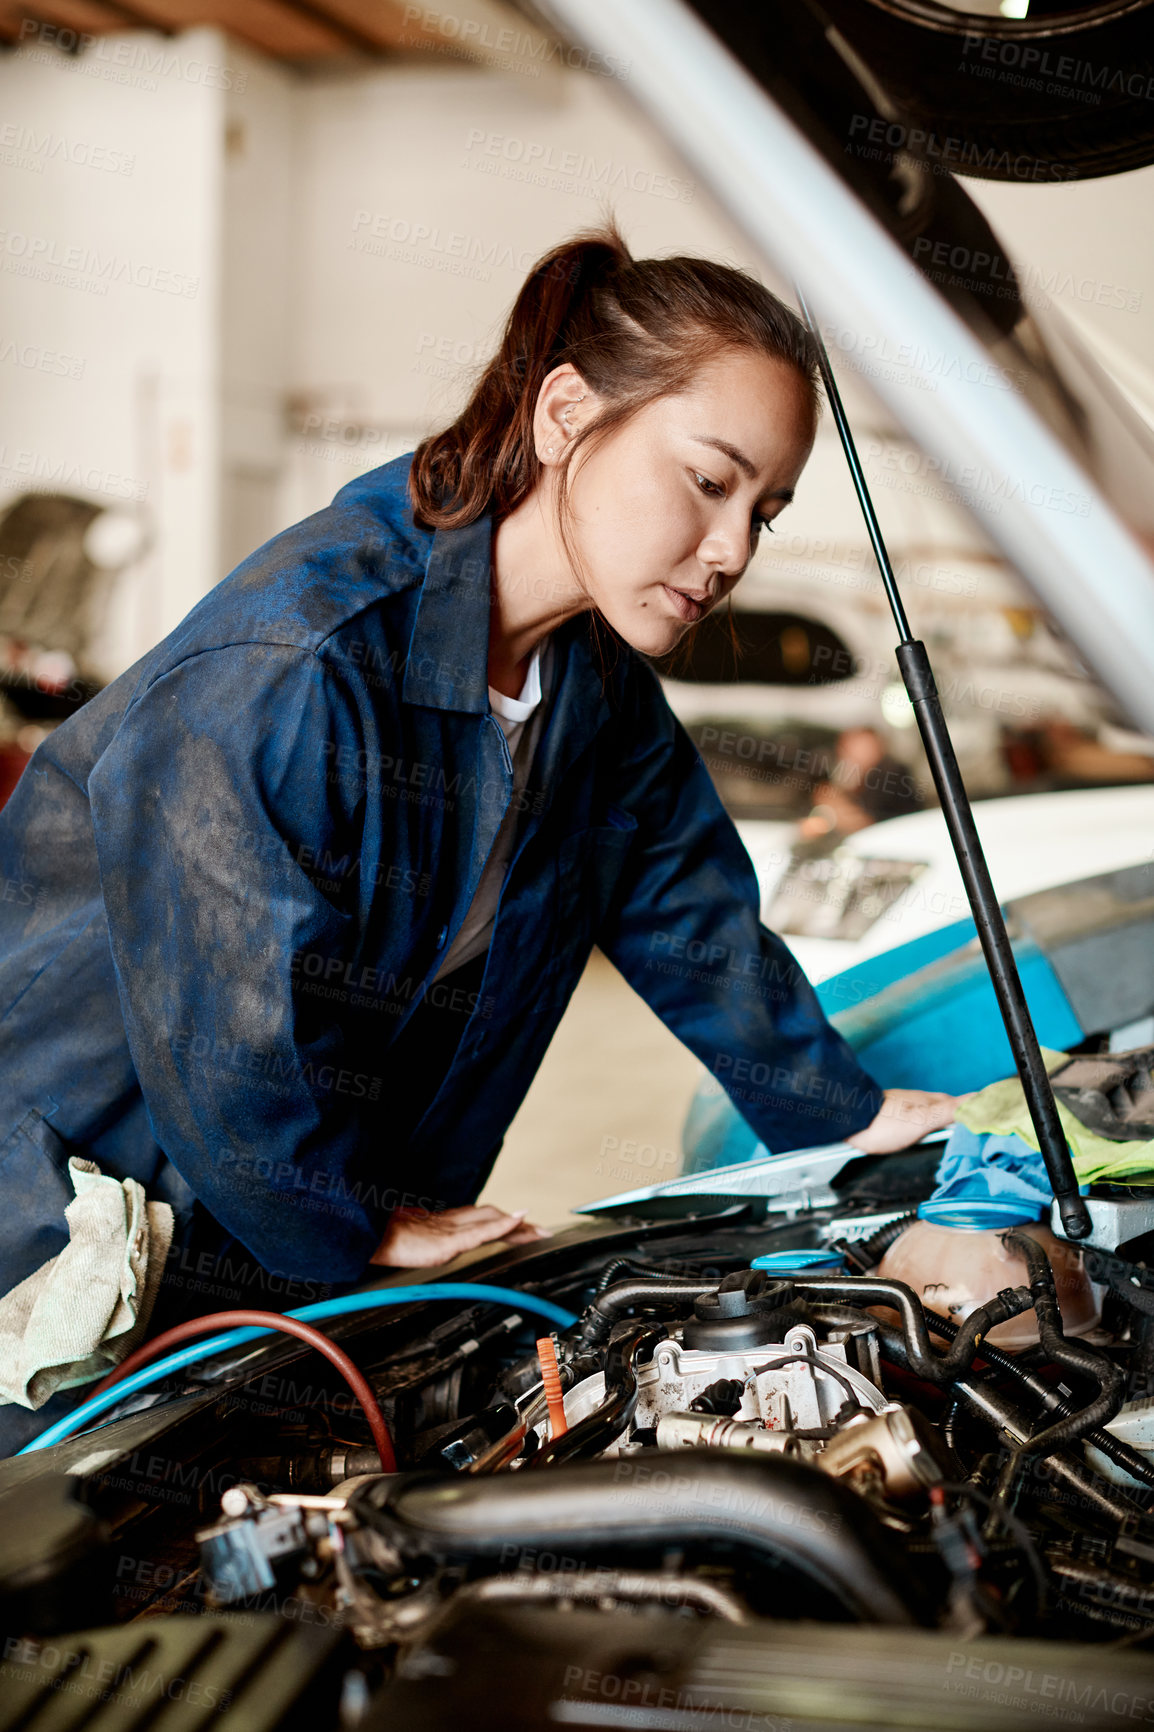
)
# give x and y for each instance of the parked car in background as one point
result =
(808, 653)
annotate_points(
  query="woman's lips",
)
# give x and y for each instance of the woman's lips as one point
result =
(685, 606)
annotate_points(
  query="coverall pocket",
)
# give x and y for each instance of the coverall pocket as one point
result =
(36, 1188)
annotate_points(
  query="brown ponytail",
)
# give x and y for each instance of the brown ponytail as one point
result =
(635, 330)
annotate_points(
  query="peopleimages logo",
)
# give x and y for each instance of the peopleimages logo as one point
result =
(40, 360)
(1027, 57)
(134, 61)
(26, 147)
(1010, 280)
(506, 47)
(991, 1681)
(381, 234)
(873, 139)
(84, 267)
(545, 164)
(977, 484)
(35, 472)
(81, 1673)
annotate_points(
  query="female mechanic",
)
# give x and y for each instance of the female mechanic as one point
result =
(307, 889)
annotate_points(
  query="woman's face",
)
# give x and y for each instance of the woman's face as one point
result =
(667, 513)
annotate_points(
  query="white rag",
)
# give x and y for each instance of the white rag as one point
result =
(80, 1313)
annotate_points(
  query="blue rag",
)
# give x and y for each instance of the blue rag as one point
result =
(989, 1165)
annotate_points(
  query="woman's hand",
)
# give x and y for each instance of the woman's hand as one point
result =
(421, 1239)
(906, 1115)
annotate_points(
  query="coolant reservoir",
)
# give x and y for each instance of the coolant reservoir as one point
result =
(953, 1258)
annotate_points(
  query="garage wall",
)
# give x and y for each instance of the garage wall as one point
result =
(109, 273)
(260, 272)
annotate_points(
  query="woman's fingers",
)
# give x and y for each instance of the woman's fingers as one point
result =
(496, 1225)
(906, 1116)
(527, 1234)
(420, 1238)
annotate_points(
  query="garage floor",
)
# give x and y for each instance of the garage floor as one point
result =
(604, 1112)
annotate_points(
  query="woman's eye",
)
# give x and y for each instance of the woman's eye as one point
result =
(760, 523)
(706, 485)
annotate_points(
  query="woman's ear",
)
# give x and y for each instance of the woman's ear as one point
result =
(564, 404)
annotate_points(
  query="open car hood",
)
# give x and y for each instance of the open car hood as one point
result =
(768, 104)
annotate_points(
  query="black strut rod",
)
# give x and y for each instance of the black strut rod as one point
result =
(923, 694)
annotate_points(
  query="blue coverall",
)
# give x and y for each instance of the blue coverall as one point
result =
(227, 882)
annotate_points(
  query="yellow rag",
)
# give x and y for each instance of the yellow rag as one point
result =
(1001, 1108)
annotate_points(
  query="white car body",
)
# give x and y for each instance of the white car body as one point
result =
(1031, 841)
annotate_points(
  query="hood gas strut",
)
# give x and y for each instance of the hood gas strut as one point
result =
(923, 695)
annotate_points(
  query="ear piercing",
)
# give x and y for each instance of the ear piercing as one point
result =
(569, 428)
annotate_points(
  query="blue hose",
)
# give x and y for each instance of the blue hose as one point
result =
(98, 1404)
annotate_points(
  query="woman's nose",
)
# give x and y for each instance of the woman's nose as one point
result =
(727, 550)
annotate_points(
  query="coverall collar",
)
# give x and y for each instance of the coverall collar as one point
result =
(447, 667)
(448, 661)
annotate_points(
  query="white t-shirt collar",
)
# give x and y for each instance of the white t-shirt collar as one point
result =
(518, 709)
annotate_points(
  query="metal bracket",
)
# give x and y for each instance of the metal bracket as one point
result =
(1113, 1220)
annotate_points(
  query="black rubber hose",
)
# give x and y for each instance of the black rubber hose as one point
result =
(1071, 1354)
(871, 1290)
(1010, 1302)
(611, 1305)
(1003, 1361)
(845, 1317)
(856, 1289)
(1123, 1455)
(617, 1266)
(605, 1424)
(996, 1409)
(768, 1512)
(643, 1271)
(867, 1253)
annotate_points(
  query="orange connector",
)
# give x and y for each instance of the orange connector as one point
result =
(551, 1378)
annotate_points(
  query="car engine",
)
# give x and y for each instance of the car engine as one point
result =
(775, 1464)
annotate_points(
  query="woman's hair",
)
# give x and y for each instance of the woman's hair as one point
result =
(635, 330)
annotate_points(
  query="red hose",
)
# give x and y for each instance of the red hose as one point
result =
(268, 1320)
(551, 1380)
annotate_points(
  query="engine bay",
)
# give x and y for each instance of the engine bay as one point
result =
(790, 1449)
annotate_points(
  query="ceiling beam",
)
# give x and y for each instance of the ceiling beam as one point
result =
(286, 30)
(274, 28)
(85, 17)
(338, 20)
(384, 21)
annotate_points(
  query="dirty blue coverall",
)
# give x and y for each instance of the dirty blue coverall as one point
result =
(229, 879)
